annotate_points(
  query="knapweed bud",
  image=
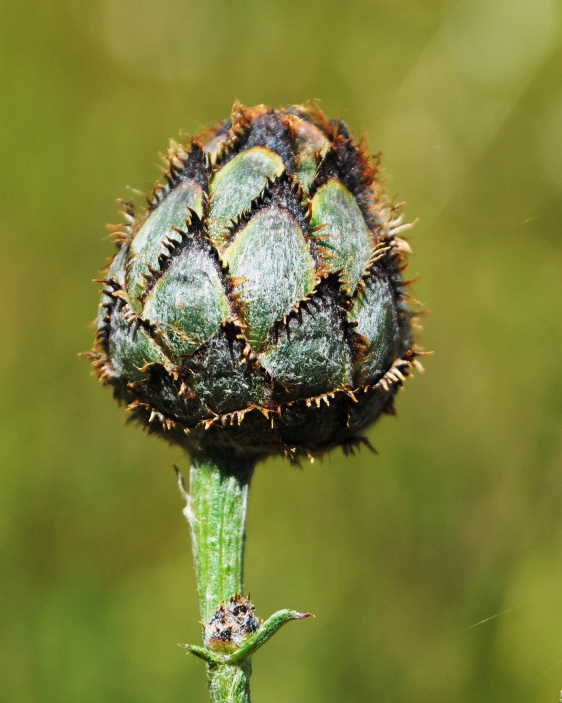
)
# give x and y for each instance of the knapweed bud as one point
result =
(258, 304)
(231, 624)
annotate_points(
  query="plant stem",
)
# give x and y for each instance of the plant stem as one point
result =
(216, 512)
(229, 683)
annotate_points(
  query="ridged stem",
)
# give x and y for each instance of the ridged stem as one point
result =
(216, 512)
(216, 509)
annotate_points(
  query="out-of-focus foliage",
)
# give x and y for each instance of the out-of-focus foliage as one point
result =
(434, 567)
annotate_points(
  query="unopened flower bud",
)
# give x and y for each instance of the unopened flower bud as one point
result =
(258, 303)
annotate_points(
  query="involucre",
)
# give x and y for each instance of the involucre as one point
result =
(258, 303)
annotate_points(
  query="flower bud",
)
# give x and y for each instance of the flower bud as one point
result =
(258, 304)
(231, 624)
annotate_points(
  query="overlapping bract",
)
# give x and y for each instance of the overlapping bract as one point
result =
(258, 302)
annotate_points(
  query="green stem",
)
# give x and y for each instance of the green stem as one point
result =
(216, 512)
(229, 683)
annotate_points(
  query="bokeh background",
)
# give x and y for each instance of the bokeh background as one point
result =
(435, 567)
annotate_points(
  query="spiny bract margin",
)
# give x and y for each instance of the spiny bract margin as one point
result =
(258, 301)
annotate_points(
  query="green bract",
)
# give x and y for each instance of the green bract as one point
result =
(258, 303)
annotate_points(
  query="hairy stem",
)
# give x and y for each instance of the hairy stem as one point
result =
(216, 512)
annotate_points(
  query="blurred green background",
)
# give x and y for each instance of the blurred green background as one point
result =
(434, 568)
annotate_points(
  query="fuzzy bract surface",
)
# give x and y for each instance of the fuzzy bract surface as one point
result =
(258, 302)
